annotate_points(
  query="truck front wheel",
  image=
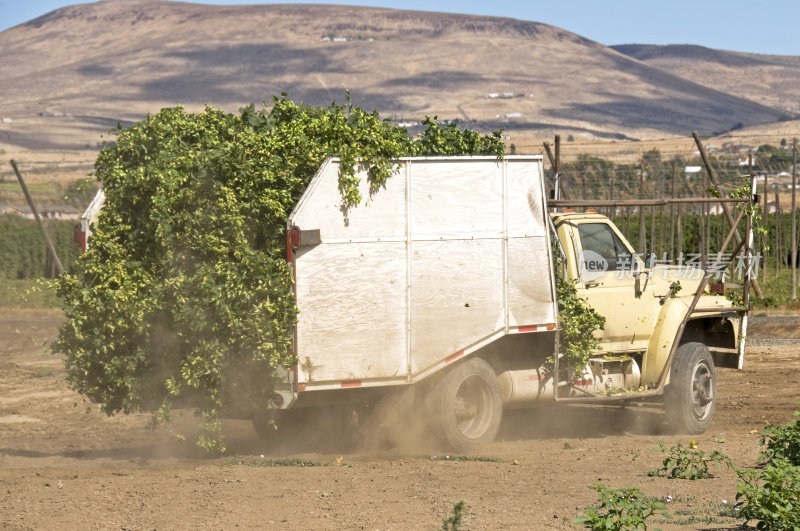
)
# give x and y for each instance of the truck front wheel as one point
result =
(466, 405)
(690, 397)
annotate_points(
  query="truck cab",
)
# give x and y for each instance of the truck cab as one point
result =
(641, 301)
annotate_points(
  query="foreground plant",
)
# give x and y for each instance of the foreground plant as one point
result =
(771, 496)
(455, 520)
(687, 462)
(782, 441)
(617, 509)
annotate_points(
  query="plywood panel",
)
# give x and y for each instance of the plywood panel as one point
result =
(456, 296)
(379, 216)
(530, 296)
(525, 210)
(352, 302)
(456, 199)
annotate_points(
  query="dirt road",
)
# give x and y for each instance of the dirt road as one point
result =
(65, 465)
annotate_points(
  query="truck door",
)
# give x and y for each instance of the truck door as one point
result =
(615, 283)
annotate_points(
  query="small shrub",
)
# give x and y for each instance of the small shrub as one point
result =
(771, 496)
(687, 462)
(782, 441)
(454, 522)
(618, 509)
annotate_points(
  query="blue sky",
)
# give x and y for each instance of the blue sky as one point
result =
(757, 27)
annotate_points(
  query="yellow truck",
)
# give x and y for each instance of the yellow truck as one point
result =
(440, 289)
(436, 298)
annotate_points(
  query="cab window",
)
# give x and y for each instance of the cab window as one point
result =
(601, 239)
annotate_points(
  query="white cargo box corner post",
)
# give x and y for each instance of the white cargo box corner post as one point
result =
(451, 255)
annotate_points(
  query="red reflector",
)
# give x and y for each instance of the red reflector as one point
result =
(351, 383)
(551, 326)
(451, 357)
(527, 328)
(583, 382)
(301, 387)
(295, 238)
(288, 246)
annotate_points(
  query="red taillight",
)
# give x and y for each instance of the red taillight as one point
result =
(292, 242)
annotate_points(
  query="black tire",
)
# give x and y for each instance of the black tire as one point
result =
(690, 398)
(466, 405)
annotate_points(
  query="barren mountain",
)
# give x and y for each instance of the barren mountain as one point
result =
(771, 80)
(73, 73)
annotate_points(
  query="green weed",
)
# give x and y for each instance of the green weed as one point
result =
(771, 496)
(618, 509)
(683, 462)
(782, 441)
(454, 521)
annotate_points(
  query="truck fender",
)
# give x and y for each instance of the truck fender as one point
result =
(666, 329)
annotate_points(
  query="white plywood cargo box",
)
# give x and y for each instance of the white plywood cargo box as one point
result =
(450, 255)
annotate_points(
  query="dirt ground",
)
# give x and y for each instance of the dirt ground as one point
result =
(65, 465)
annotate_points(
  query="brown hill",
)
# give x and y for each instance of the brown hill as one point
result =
(771, 80)
(73, 73)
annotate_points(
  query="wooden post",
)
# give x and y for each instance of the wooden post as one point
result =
(642, 234)
(725, 208)
(709, 233)
(794, 219)
(583, 171)
(764, 237)
(653, 230)
(672, 214)
(778, 252)
(50, 247)
(701, 224)
(679, 229)
(558, 190)
(612, 211)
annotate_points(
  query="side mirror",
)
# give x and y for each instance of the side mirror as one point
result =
(650, 263)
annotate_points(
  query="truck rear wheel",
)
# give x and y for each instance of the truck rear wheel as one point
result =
(690, 397)
(467, 406)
